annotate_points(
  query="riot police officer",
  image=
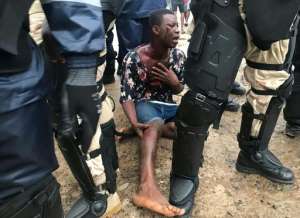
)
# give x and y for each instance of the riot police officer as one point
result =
(27, 154)
(225, 32)
(27, 187)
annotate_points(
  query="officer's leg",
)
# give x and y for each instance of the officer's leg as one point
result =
(82, 62)
(93, 203)
(130, 33)
(92, 155)
(37, 193)
(78, 95)
(215, 52)
(102, 162)
(292, 109)
(109, 151)
(40, 200)
(108, 143)
(268, 73)
(146, 30)
(109, 21)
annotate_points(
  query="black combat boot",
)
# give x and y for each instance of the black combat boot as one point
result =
(266, 164)
(255, 157)
(292, 130)
(232, 105)
(182, 193)
(237, 89)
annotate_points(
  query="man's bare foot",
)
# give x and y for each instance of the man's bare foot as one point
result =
(153, 200)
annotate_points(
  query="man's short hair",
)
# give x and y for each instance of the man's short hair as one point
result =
(157, 15)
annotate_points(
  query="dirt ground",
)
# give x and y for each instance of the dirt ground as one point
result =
(223, 192)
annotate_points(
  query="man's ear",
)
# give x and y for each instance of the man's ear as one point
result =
(156, 30)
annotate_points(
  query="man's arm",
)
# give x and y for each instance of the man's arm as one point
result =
(129, 109)
(128, 94)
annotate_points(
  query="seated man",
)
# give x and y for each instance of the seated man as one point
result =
(151, 73)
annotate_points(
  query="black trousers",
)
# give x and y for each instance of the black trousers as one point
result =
(41, 200)
(292, 109)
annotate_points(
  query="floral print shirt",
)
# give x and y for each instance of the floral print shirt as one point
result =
(134, 78)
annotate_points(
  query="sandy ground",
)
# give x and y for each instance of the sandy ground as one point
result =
(223, 192)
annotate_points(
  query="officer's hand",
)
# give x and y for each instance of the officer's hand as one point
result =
(161, 73)
(139, 128)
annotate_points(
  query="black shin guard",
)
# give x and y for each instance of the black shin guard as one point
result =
(187, 158)
(214, 55)
(254, 156)
(188, 147)
(109, 155)
(94, 203)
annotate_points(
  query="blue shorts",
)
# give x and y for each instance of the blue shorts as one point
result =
(149, 111)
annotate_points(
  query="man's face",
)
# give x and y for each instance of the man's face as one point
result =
(169, 32)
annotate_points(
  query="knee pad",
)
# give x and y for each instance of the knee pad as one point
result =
(109, 155)
(216, 49)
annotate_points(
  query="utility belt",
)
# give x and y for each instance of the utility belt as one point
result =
(37, 201)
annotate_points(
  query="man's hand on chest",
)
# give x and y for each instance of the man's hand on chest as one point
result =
(159, 72)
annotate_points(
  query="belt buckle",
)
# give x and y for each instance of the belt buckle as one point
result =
(200, 97)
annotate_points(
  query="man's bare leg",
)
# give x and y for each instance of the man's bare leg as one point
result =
(149, 195)
(168, 131)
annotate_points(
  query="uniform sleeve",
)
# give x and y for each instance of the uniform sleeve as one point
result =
(77, 26)
(128, 86)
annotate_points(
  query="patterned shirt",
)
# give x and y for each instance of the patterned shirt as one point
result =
(134, 78)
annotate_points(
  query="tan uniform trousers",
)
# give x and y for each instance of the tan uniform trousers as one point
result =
(263, 79)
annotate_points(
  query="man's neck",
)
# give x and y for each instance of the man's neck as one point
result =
(157, 51)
